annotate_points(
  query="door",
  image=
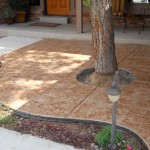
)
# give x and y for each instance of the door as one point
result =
(58, 7)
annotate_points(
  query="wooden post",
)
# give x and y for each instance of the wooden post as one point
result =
(42, 4)
(79, 16)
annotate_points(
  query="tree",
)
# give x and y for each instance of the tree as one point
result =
(103, 37)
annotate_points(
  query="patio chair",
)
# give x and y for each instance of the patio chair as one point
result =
(138, 20)
(119, 12)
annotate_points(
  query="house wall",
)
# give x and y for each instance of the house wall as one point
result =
(134, 8)
(35, 12)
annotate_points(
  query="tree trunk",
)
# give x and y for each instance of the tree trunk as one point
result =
(103, 37)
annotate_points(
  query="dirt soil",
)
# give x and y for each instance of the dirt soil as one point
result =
(79, 135)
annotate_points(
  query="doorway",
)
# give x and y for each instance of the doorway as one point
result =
(58, 7)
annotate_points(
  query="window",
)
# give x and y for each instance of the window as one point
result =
(35, 2)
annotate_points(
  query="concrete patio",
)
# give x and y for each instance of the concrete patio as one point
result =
(68, 31)
(17, 141)
(41, 79)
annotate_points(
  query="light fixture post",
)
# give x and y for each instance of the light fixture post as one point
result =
(114, 94)
(113, 128)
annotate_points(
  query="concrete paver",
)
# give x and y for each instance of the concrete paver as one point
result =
(41, 79)
(11, 140)
(10, 43)
(68, 31)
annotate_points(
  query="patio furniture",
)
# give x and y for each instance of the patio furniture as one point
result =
(138, 20)
(143, 11)
(119, 12)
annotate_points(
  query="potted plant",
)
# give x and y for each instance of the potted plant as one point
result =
(8, 14)
(86, 11)
(21, 7)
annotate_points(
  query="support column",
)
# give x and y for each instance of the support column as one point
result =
(42, 4)
(79, 16)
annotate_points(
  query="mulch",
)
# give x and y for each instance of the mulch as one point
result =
(80, 134)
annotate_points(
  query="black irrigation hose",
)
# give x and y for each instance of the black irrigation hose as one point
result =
(71, 120)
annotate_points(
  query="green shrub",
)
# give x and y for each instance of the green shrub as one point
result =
(118, 137)
(8, 13)
(86, 3)
(6, 119)
(103, 137)
(19, 4)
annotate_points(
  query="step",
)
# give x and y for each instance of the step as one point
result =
(55, 19)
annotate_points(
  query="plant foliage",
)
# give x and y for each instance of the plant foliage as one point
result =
(103, 140)
(19, 4)
(86, 3)
(8, 13)
(103, 137)
(8, 120)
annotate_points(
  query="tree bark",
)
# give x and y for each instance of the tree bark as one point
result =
(103, 37)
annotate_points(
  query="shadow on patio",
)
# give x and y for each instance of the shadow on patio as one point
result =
(41, 79)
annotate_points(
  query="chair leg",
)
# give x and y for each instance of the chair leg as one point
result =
(125, 25)
(143, 27)
(124, 29)
(139, 31)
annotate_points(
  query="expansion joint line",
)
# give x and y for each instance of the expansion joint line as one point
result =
(80, 102)
(128, 54)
